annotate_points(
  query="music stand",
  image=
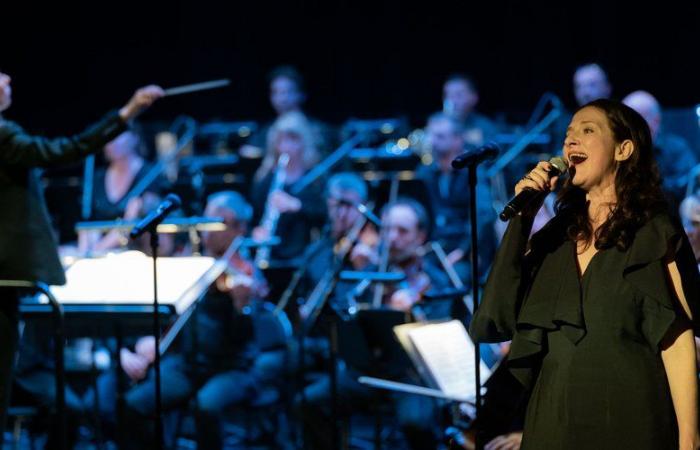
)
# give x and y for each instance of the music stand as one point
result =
(124, 281)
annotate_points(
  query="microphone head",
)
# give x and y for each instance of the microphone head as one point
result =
(560, 164)
(486, 152)
(489, 151)
(174, 199)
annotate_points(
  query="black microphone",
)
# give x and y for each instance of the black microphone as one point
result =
(528, 195)
(486, 152)
(155, 217)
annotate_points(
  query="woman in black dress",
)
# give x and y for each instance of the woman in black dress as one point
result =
(599, 304)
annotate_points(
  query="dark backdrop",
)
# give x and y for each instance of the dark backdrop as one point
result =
(70, 62)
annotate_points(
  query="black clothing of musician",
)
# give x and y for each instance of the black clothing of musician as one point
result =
(319, 258)
(28, 248)
(449, 207)
(105, 209)
(220, 362)
(589, 345)
(293, 228)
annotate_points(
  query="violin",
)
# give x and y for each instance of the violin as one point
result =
(407, 294)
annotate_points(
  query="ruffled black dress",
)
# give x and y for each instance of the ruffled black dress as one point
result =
(589, 345)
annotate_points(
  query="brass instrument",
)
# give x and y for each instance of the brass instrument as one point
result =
(271, 215)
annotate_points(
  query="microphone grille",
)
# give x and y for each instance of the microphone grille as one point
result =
(174, 199)
(559, 163)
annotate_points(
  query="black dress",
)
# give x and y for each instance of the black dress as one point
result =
(589, 346)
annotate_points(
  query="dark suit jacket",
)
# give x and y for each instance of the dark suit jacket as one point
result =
(27, 244)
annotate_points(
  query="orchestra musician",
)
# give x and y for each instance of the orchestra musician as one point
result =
(112, 186)
(459, 99)
(287, 93)
(450, 212)
(290, 135)
(215, 359)
(406, 227)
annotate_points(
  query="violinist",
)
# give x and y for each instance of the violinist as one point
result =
(214, 358)
(405, 226)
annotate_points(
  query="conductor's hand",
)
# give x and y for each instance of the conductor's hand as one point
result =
(140, 101)
(5, 91)
(539, 180)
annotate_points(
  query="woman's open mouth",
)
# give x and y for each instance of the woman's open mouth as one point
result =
(577, 158)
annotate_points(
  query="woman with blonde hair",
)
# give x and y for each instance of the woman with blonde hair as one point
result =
(291, 135)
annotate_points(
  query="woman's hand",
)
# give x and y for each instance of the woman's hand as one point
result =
(537, 179)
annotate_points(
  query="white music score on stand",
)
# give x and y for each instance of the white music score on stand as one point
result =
(443, 354)
(127, 279)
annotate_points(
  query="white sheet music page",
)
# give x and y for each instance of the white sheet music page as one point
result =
(127, 278)
(448, 352)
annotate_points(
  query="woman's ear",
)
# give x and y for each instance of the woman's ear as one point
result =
(624, 150)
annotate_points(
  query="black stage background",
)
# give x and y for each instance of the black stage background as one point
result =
(70, 62)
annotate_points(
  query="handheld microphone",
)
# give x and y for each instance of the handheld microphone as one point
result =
(528, 195)
(148, 223)
(486, 152)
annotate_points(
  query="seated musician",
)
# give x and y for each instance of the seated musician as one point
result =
(405, 224)
(112, 185)
(215, 359)
(343, 192)
(449, 199)
(460, 97)
(291, 135)
(287, 93)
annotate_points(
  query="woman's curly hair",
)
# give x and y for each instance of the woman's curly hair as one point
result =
(637, 184)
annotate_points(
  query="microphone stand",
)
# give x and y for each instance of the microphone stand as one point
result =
(472, 167)
(150, 224)
(156, 333)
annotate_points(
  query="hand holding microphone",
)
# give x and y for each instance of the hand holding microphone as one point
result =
(533, 187)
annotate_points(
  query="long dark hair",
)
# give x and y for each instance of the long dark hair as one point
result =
(637, 184)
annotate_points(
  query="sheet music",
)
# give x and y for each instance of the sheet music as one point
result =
(127, 278)
(448, 354)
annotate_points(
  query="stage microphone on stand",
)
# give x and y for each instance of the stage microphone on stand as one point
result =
(528, 195)
(148, 223)
(486, 152)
